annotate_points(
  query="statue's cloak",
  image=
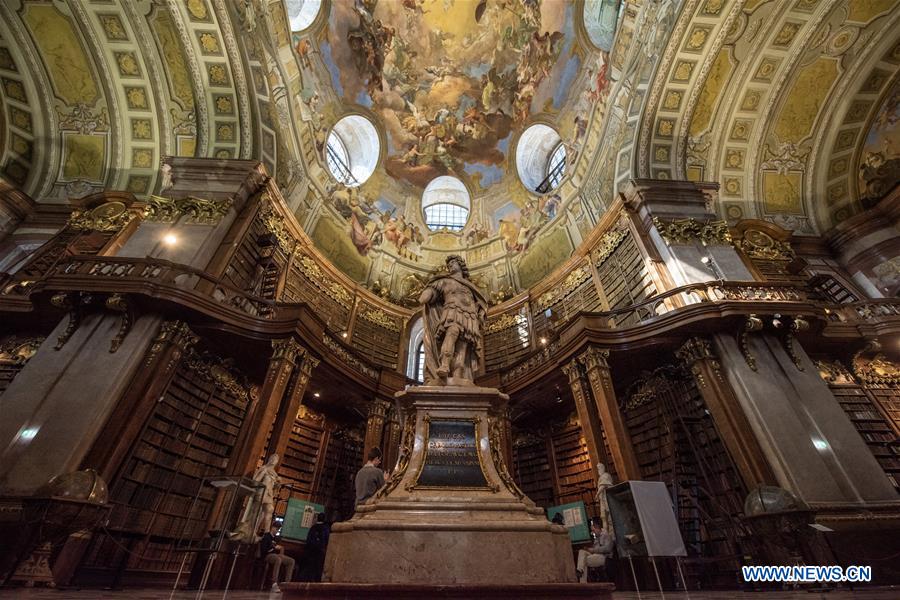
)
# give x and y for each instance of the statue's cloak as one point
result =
(432, 314)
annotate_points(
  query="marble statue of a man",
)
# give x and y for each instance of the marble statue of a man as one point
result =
(261, 506)
(454, 311)
(604, 481)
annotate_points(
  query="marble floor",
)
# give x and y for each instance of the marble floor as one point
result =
(158, 594)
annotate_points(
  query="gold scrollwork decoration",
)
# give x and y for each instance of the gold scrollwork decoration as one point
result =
(495, 439)
(17, 351)
(753, 323)
(878, 370)
(568, 285)
(406, 448)
(198, 210)
(274, 224)
(504, 321)
(607, 245)
(176, 333)
(347, 357)
(110, 216)
(314, 273)
(221, 373)
(380, 318)
(687, 231)
(118, 303)
(834, 372)
(759, 244)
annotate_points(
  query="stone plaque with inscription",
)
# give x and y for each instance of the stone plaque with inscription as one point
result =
(451, 456)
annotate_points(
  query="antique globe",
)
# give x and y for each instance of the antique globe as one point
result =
(84, 486)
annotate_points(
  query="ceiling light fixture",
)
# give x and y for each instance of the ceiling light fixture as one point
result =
(170, 239)
(317, 395)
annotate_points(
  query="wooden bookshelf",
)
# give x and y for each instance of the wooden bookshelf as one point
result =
(625, 278)
(873, 427)
(189, 435)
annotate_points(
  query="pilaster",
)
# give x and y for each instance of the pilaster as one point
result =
(598, 375)
(587, 413)
(304, 363)
(261, 417)
(378, 410)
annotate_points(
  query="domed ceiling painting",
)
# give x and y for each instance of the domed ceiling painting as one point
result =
(451, 80)
(451, 85)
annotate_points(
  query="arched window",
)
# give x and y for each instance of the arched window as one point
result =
(351, 150)
(419, 373)
(302, 13)
(415, 358)
(540, 158)
(446, 204)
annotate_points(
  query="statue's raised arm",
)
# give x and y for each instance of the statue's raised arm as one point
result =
(453, 313)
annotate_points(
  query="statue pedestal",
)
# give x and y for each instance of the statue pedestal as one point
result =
(451, 514)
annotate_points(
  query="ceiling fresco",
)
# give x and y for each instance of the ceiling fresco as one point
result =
(451, 80)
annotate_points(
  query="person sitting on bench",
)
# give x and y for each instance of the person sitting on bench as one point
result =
(596, 555)
(274, 555)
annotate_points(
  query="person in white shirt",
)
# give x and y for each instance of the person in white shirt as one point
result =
(597, 554)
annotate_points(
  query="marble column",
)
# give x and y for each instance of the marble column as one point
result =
(261, 416)
(729, 417)
(604, 396)
(56, 407)
(812, 447)
(375, 427)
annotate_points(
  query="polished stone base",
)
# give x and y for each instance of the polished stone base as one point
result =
(443, 533)
(545, 591)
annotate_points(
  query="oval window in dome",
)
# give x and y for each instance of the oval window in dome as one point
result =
(446, 204)
(540, 158)
(352, 149)
(302, 13)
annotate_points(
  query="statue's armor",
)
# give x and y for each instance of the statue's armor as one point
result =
(460, 309)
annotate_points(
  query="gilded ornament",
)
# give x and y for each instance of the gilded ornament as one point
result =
(504, 321)
(197, 210)
(406, 448)
(878, 370)
(758, 244)
(348, 358)
(118, 303)
(693, 350)
(110, 216)
(318, 278)
(753, 323)
(834, 373)
(176, 333)
(569, 284)
(688, 231)
(495, 438)
(17, 351)
(380, 318)
(607, 245)
(274, 223)
(218, 371)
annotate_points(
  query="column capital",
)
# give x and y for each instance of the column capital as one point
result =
(693, 350)
(571, 370)
(287, 349)
(379, 408)
(174, 333)
(594, 357)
